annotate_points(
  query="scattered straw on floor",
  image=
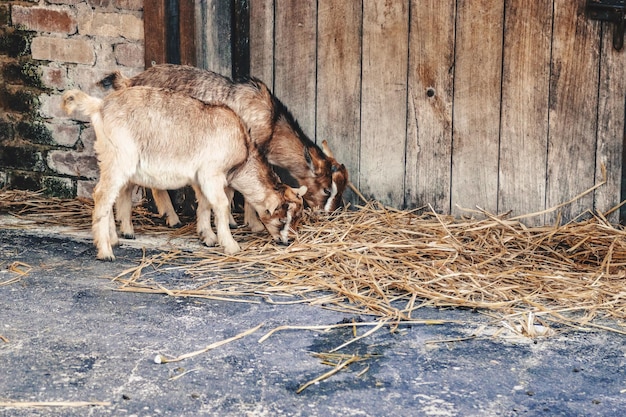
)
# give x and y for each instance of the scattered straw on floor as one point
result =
(389, 263)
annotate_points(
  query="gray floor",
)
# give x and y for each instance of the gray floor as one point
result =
(70, 336)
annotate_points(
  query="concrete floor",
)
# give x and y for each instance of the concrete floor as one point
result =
(69, 336)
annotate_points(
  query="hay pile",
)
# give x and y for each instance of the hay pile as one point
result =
(389, 263)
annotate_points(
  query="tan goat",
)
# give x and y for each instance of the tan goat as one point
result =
(163, 139)
(271, 127)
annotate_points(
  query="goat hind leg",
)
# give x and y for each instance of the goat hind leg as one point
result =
(203, 219)
(124, 211)
(103, 222)
(165, 207)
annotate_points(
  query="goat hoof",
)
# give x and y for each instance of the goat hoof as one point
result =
(107, 258)
(128, 235)
(257, 228)
(209, 242)
(283, 243)
(230, 250)
(176, 226)
(233, 226)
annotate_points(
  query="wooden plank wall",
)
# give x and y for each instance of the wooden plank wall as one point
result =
(508, 106)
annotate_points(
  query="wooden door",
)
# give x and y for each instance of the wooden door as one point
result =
(504, 105)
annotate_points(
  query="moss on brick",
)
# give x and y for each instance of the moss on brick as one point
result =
(58, 187)
(15, 43)
(30, 74)
(7, 131)
(5, 15)
(21, 101)
(25, 181)
(28, 159)
(25, 73)
(35, 131)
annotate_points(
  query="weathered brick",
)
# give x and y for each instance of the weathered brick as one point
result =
(54, 77)
(129, 54)
(84, 188)
(51, 106)
(88, 140)
(44, 19)
(111, 25)
(5, 15)
(129, 4)
(64, 134)
(77, 51)
(66, 2)
(117, 4)
(73, 163)
(86, 79)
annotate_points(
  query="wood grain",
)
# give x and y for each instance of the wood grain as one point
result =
(213, 42)
(262, 41)
(429, 127)
(573, 108)
(611, 129)
(295, 60)
(383, 111)
(525, 93)
(339, 81)
(477, 94)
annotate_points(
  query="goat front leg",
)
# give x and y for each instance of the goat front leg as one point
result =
(251, 218)
(213, 190)
(164, 205)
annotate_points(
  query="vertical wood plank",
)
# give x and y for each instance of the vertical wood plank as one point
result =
(295, 59)
(154, 33)
(214, 47)
(573, 108)
(339, 81)
(525, 93)
(384, 92)
(477, 94)
(611, 119)
(187, 32)
(262, 41)
(429, 135)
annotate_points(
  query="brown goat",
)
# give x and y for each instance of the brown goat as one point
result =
(162, 139)
(270, 124)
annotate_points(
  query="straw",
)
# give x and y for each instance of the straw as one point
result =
(389, 264)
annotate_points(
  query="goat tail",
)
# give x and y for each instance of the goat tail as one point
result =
(116, 81)
(77, 100)
(264, 92)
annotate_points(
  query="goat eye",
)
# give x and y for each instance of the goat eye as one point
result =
(326, 191)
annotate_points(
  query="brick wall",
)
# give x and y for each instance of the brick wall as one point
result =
(46, 47)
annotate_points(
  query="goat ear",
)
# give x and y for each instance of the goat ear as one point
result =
(309, 159)
(300, 192)
(326, 149)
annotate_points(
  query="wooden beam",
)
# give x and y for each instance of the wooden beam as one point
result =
(155, 34)
(186, 9)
